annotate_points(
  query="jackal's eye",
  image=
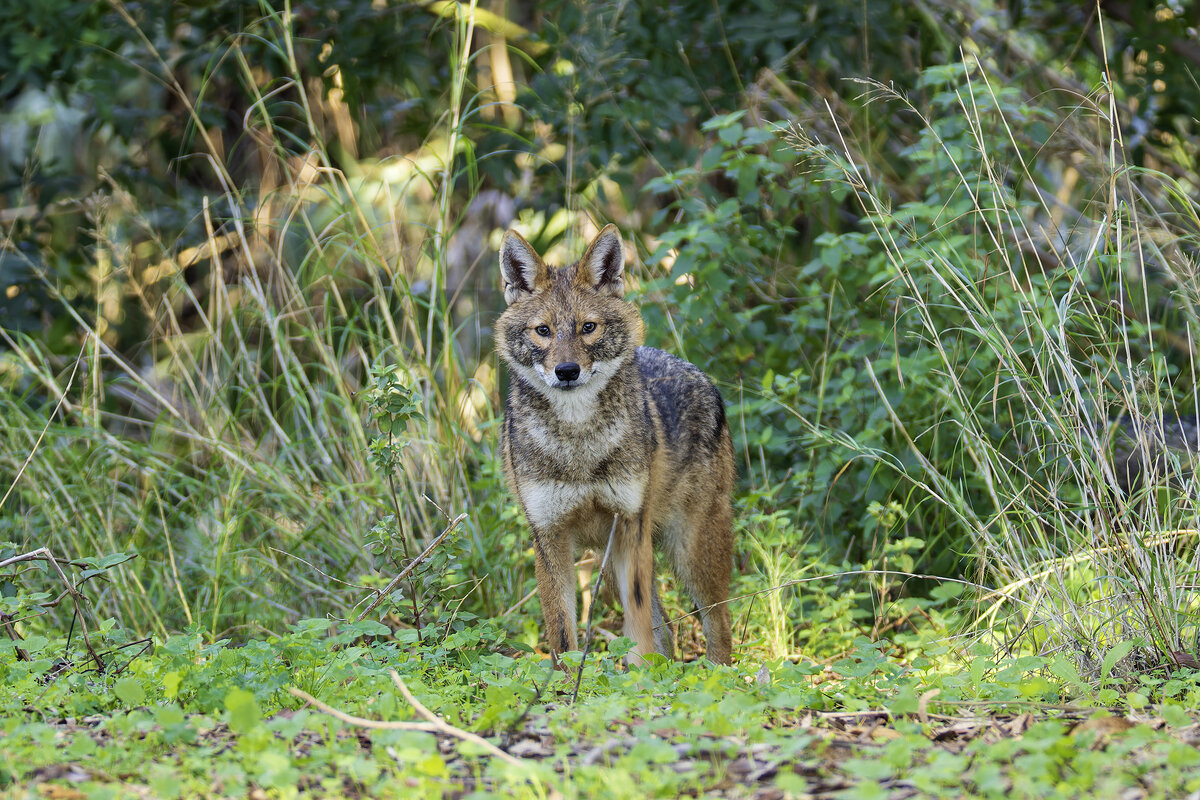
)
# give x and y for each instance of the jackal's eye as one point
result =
(588, 327)
(543, 330)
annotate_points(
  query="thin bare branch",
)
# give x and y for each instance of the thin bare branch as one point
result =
(384, 592)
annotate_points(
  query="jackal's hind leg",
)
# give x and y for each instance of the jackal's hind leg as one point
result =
(664, 639)
(703, 558)
(633, 565)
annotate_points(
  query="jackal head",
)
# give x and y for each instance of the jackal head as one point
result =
(569, 329)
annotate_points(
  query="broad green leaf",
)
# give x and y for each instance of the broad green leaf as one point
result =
(171, 683)
(244, 714)
(130, 691)
(1114, 654)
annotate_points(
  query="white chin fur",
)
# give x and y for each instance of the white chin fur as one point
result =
(577, 404)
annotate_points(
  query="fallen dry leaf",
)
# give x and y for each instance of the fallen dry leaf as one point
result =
(923, 704)
(1185, 659)
(1103, 726)
(1020, 724)
(56, 792)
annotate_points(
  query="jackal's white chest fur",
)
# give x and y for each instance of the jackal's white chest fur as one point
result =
(549, 500)
(571, 445)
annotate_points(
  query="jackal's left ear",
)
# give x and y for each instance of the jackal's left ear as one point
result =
(603, 264)
(523, 270)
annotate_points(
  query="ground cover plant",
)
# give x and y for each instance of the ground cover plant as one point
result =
(940, 259)
(324, 716)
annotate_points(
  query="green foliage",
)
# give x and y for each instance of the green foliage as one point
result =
(189, 716)
(667, 60)
(834, 315)
(800, 602)
(1024, 366)
(392, 404)
(37, 49)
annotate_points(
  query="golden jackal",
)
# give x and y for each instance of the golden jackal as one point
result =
(597, 425)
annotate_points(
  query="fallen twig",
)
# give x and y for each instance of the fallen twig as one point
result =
(447, 728)
(435, 724)
(363, 722)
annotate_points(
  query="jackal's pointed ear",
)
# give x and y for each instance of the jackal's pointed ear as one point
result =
(603, 264)
(523, 270)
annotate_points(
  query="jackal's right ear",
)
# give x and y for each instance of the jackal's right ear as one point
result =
(523, 270)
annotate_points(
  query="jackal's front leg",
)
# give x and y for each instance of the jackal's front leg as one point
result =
(633, 562)
(554, 568)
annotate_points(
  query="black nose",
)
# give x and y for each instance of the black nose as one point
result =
(568, 371)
